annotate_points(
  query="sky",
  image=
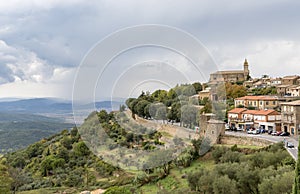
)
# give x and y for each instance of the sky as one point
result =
(44, 44)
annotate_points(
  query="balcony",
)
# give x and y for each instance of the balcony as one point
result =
(287, 112)
(240, 120)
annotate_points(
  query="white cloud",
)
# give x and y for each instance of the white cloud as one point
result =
(275, 58)
(43, 41)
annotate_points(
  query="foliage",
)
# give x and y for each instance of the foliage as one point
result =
(171, 105)
(261, 172)
(60, 160)
(296, 186)
(265, 91)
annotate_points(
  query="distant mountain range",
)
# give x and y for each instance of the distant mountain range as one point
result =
(25, 121)
(48, 105)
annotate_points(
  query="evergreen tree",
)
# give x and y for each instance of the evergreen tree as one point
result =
(296, 189)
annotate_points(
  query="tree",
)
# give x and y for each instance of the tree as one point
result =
(189, 115)
(197, 86)
(140, 108)
(188, 90)
(281, 183)
(224, 185)
(171, 94)
(5, 180)
(161, 113)
(81, 149)
(160, 95)
(296, 187)
(161, 159)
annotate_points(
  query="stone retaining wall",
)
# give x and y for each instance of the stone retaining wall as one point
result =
(231, 140)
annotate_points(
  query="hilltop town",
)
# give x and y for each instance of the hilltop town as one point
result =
(270, 104)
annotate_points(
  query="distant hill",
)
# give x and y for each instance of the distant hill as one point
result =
(37, 105)
(25, 121)
(18, 130)
(49, 105)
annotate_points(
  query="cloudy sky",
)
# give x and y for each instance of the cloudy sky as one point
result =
(42, 43)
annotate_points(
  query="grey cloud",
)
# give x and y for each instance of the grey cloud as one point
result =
(58, 34)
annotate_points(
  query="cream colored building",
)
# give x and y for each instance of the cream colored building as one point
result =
(257, 102)
(290, 80)
(246, 119)
(290, 116)
(231, 76)
(205, 93)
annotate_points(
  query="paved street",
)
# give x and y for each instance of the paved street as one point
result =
(275, 139)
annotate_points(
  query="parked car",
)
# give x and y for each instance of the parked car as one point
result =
(255, 131)
(262, 131)
(239, 129)
(270, 131)
(278, 133)
(290, 145)
(274, 133)
(285, 134)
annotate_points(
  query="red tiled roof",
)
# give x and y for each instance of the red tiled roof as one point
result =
(250, 112)
(237, 110)
(258, 98)
(262, 112)
(267, 112)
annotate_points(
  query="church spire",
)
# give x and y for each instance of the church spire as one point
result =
(246, 70)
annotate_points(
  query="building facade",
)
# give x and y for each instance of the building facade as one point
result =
(231, 76)
(257, 102)
(261, 119)
(290, 80)
(290, 114)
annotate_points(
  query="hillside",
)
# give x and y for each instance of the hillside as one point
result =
(63, 162)
(18, 130)
(25, 121)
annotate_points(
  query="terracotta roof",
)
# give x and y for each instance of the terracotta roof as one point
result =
(267, 112)
(293, 103)
(257, 98)
(252, 112)
(237, 110)
(262, 112)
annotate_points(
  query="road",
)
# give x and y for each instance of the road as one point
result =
(293, 151)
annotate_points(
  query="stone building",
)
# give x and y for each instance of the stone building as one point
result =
(211, 128)
(257, 102)
(290, 80)
(290, 117)
(231, 76)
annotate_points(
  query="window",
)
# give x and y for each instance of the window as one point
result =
(267, 103)
(274, 102)
(260, 102)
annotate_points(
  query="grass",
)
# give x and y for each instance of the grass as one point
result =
(243, 146)
(175, 180)
(50, 191)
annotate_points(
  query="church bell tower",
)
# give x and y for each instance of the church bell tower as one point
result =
(246, 70)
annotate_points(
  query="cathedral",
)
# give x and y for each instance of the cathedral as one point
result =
(231, 76)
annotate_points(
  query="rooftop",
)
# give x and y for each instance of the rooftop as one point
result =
(237, 110)
(291, 77)
(262, 112)
(229, 72)
(258, 98)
